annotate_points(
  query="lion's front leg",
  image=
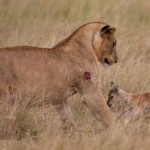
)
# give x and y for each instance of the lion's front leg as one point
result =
(97, 106)
(93, 99)
(65, 114)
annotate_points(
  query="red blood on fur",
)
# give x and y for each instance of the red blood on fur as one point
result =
(87, 75)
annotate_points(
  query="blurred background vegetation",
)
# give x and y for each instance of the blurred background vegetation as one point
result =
(48, 17)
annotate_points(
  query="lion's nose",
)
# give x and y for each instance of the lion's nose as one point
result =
(115, 61)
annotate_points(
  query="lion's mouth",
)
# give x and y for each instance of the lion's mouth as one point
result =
(109, 105)
(107, 62)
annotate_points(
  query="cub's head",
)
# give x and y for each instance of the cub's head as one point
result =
(116, 101)
(104, 44)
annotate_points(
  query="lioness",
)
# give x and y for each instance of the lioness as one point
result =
(51, 75)
(131, 105)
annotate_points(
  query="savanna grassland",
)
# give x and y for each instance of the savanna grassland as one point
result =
(44, 23)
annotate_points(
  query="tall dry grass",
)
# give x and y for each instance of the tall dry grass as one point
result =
(46, 22)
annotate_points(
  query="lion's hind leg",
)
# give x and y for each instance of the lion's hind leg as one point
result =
(65, 114)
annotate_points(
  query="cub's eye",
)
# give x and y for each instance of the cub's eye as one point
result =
(111, 97)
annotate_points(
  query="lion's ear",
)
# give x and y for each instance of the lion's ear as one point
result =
(96, 40)
(100, 33)
(107, 30)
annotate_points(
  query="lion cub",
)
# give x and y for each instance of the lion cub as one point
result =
(131, 105)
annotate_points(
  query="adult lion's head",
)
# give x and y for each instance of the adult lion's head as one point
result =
(97, 35)
(104, 44)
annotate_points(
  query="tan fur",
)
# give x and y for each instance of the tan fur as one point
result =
(43, 75)
(133, 104)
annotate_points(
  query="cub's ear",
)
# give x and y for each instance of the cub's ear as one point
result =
(114, 87)
(107, 30)
(112, 84)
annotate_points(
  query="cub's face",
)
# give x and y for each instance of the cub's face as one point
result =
(104, 43)
(115, 100)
